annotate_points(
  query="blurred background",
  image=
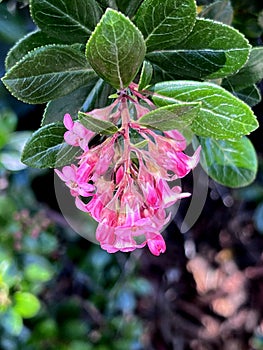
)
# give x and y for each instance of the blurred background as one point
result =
(60, 291)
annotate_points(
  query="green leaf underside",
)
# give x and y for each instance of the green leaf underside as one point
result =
(146, 75)
(250, 95)
(232, 163)
(47, 73)
(69, 21)
(212, 50)
(251, 73)
(171, 117)
(221, 116)
(71, 103)
(28, 43)
(97, 125)
(165, 23)
(116, 49)
(221, 11)
(46, 148)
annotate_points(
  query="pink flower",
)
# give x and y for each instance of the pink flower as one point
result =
(77, 187)
(156, 243)
(168, 154)
(178, 137)
(140, 110)
(127, 181)
(107, 113)
(129, 238)
(95, 162)
(168, 195)
(113, 242)
(103, 195)
(77, 135)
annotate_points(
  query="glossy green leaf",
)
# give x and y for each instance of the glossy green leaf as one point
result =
(221, 116)
(46, 148)
(28, 43)
(26, 304)
(176, 116)
(251, 73)
(232, 163)
(47, 73)
(146, 75)
(69, 21)
(71, 103)
(97, 125)
(212, 50)
(116, 49)
(250, 95)
(221, 11)
(165, 23)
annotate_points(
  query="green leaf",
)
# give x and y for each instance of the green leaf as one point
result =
(232, 163)
(221, 116)
(46, 148)
(165, 23)
(26, 304)
(177, 116)
(250, 95)
(251, 73)
(221, 11)
(71, 103)
(97, 125)
(212, 50)
(146, 75)
(69, 21)
(28, 43)
(116, 49)
(47, 73)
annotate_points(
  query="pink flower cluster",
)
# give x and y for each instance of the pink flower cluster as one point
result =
(122, 183)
